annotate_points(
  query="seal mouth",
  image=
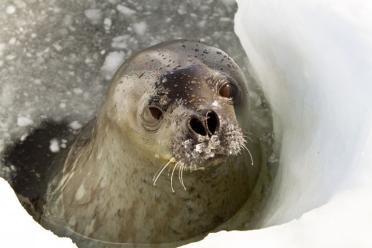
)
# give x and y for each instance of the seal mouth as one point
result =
(202, 151)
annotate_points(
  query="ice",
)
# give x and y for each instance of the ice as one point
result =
(2, 48)
(23, 121)
(75, 125)
(54, 145)
(12, 41)
(125, 10)
(111, 64)
(120, 42)
(77, 91)
(11, 9)
(94, 15)
(140, 28)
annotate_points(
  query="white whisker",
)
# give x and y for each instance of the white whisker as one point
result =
(179, 173)
(174, 168)
(157, 174)
(182, 183)
(249, 152)
(247, 137)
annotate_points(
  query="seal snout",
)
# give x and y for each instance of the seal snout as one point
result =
(204, 125)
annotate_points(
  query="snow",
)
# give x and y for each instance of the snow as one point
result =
(17, 227)
(320, 228)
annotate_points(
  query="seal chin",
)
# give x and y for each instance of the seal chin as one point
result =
(216, 160)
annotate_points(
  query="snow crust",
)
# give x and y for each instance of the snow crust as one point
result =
(17, 227)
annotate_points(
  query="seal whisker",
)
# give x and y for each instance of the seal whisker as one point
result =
(179, 173)
(249, 152)
(155, 179)
(182, 183)
(174, 168)
(248, 135)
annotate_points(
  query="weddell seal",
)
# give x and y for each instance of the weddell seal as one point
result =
(167, 157)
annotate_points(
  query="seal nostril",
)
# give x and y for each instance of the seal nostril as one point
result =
(212, 122)
(197, 126)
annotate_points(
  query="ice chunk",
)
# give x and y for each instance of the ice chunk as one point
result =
(120, 42)
(54, 146)
(125, 10)
(94, 15)
(75, 125)
(11, 9)
(140, 28)
(112, 62)
(107, 23)
(23, 121)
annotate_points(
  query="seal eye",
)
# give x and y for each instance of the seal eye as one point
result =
(228, 90)
(156, 112)
(151, 117)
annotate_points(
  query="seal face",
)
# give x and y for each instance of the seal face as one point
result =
(200, 101)
(181, 106)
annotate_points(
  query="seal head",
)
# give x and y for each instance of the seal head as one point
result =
(180, 105)
(187, 106)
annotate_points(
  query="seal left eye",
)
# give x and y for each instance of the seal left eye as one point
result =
(228, 90)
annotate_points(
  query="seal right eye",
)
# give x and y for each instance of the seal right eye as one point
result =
(156, 112)
(151, 117)
(152, 114)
